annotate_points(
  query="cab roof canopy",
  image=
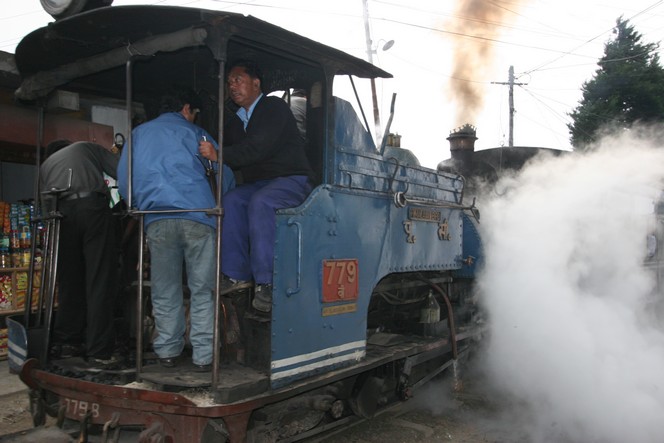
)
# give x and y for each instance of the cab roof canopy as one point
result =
(88, 52)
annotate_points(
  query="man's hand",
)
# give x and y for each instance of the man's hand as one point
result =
(207, 150)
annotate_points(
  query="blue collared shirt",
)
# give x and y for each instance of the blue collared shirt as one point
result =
(245, 115)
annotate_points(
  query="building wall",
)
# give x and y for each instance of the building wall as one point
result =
(16, 181)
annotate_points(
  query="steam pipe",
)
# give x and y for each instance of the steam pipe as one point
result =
(389, 123)
(450, 316)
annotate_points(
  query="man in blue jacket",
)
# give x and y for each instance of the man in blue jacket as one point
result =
(168, 174)
(263, 143)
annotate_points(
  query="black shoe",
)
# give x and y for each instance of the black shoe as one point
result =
(229, 285)
(202, 368)
(103, 363)
(169, 362)
(60, 351)
(263, 298)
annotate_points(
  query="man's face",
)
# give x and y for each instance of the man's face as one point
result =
(189, 113)
(243, 89)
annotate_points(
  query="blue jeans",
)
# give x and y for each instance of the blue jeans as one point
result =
(172, 241)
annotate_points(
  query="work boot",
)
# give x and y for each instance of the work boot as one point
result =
(263, 298)
(229, 285)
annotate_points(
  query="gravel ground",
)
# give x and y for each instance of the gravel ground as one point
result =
(14, 415)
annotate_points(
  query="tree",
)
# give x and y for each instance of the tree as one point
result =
(628, 87)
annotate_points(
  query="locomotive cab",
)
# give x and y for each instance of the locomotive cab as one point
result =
(373, 272)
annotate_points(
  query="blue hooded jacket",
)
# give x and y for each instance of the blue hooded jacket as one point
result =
(167, 170)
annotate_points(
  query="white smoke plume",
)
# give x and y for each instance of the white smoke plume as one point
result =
(575, 331)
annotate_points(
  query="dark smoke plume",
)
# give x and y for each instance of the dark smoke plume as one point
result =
(476, 26)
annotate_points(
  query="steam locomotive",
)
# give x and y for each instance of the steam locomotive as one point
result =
(373, 274)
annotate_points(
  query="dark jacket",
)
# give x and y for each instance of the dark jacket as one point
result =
(88, 161)
(271, 146)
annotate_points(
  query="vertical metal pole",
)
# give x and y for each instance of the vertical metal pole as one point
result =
(53, 271)
(367, 30)
(216, 341)
(128, 94)
(45, 276)
(52, 248)
(511, 83)
(139, 302)
(129, 147)
(510, 141)
(34, 229)
(374, 98)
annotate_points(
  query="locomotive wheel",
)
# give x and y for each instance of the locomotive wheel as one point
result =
(215, 432)
(37, 409)
(366, 401)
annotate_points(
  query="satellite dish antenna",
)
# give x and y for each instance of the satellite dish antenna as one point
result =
(388, 45)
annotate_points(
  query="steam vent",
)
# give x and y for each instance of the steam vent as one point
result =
(462, 139)
(462, 146)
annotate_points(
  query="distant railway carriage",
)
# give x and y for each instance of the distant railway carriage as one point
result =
(373, 273)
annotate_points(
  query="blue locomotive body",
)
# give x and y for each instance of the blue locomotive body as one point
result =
(355, 222)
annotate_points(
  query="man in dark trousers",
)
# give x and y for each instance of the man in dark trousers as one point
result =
(263, 143)
(88, 256)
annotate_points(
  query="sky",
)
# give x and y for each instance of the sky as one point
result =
(450, 59)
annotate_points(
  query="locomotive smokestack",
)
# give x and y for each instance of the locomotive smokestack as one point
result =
(462, 146)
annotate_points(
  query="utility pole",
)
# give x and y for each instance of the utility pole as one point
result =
(511, 84)
(367, 35)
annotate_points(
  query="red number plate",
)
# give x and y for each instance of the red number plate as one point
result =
(340, 280)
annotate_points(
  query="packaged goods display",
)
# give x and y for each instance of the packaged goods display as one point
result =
(15, 255)
(6, 293)
(3, 342)
(16, 238)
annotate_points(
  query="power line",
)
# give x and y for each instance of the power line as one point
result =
(592, 39)
(477, 37)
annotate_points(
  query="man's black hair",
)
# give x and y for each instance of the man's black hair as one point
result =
(250, 67)
(177, 97)
(56, 145)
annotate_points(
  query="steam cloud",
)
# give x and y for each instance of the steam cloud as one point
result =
(476, 25)
(575, 320)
